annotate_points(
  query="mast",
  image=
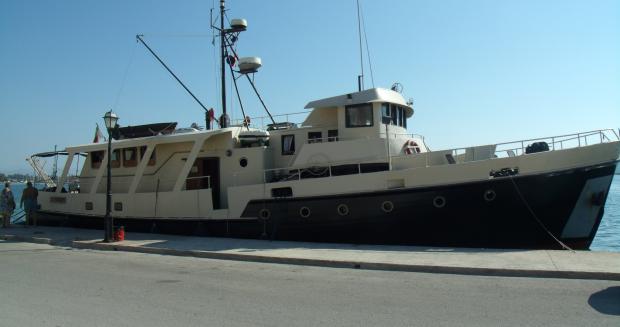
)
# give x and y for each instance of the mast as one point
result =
(224, 117)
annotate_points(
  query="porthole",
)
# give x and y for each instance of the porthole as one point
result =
(243, 162)
(118, 206)
(387, 206)
(264, 213)
(439, 201)
(304, 212)
(489, 195)
(343, 209)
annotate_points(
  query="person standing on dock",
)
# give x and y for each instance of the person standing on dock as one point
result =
(7, 205)
(30, 204)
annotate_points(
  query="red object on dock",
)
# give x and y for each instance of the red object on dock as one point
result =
(119, 234)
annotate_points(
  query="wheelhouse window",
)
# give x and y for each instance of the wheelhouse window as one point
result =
(115, 160)
(315, 137)
(96, 157)
(288, 144)
(385, 110)
(395, 114)
(151, 159)
(130, 157)
(359, 115)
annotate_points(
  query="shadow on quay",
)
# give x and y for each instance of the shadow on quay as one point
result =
(606, 301)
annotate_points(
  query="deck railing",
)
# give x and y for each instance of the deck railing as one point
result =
(263, 121)
(560, 142)
(457, 155)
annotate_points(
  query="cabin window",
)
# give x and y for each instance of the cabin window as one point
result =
(385, 110)
(281, 192)
(359, 115)
(115, 160)
(152, 159)
(315, 137)
(394, 114)
(130, 157)
(96, 157)
(288, 144)
(332, 135)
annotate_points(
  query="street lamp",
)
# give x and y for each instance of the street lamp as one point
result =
(110, 120)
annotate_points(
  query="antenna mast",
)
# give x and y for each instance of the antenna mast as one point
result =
(224, 117)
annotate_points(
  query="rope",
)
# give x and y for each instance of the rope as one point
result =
(372, 76)
(120, 90)
(359, 32)
(564, 246)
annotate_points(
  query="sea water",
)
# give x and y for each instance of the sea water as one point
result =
(607, 238)
(608, 235)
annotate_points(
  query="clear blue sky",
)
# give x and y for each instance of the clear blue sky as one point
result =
(479, 71)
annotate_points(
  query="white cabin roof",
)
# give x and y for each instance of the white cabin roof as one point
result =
(157, 139)
(366, 96)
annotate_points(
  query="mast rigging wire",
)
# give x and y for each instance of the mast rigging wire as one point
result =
(359, 33)
(120, 90)
(228, 45)
(139, 38)
(372, 75)
(234, 80)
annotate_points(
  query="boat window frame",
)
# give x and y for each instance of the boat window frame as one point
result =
(152, 159)
(332, 135)
(115, 159)
(385, 110)
(394, 113)
(315, 137)
(397, 115)
(130, 162)
(96, 164)
(291, 149)
(350, 109)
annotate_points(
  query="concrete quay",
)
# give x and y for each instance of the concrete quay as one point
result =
(483, 262)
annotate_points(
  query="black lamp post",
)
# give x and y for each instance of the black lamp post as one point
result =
(110, 119)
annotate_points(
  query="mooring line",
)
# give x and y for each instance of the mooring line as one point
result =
(566, 247)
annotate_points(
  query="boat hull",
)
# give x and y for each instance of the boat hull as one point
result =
(504, 212)
(517, 212)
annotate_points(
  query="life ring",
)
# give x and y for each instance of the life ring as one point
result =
(411, 147)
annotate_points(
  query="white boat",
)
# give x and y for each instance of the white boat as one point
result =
(350, 172)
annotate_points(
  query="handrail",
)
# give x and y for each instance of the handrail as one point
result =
(295, 173)
(595, 132)
(602, 138)
(263, 118)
